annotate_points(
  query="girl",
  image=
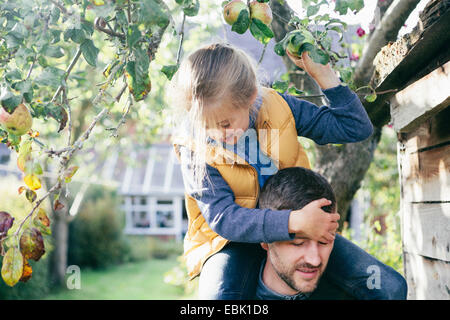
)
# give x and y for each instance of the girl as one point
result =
(232, 136)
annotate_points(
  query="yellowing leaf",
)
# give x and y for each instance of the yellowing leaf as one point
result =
(32, 182)
(27, 271)
(30, 195)
(12, 267)
(22, 189)
(69, 173)
(42, 222)
(32, 244)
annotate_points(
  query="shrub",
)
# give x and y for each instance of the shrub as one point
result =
(386, 247)
(96, 234)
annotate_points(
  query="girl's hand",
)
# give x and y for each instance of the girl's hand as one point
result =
(314, 223)
(324, 75)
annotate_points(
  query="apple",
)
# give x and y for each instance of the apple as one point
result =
(294, 48)
(261, 11)
(18, 122)
(232, 10)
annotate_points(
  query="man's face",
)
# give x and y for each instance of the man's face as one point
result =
(297, 265)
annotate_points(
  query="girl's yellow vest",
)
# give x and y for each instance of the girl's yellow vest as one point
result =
(279, 141)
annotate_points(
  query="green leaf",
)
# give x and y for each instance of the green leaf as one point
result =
(356, 5)
(294, 91)
(312, 10)
(280, 47)
(25, 89)
(192, 8)
(51, 77)
(90, 52)
(142, 62)
(341, 6)
(170, 70)
(12, 42)
(13, 75)
(370, 97)
(306, 47)
(242, 23)
(8, 100)
(280, 86)
(319, 56)
(150, 13)
(52, 51)
(76, 35)
(133, 35)
(346, 75)
(260, 31)
(12, 266)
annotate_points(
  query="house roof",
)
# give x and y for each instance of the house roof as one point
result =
(154, 170)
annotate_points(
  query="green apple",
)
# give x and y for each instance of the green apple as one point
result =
(231, 11)
(261, 11)
(18, 122)
(297, 39)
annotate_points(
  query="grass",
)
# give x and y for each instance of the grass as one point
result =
(132, 281)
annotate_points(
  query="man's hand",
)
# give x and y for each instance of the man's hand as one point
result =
(324, 75)
(312, 222)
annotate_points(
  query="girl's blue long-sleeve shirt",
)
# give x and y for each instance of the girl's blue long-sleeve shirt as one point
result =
(344, 121)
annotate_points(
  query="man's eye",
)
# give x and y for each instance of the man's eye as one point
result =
(298, 244)
(323, 243)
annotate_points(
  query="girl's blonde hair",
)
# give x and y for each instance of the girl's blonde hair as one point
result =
(212, 74)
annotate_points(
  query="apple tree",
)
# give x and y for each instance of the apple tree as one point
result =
(49, 50)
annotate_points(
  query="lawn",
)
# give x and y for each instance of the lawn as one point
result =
(135, 281)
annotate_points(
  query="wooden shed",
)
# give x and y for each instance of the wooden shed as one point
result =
(417, 68)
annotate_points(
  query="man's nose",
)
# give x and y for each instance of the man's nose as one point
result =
(312, 256)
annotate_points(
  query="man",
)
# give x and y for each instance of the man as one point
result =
(297, 269)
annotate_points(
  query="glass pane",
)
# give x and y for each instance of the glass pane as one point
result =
(164, 201)
(177, 179)
(161, 161)
(140, 219)
(165, 219)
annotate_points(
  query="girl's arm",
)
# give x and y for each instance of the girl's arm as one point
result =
(228, 219)
(344, 121)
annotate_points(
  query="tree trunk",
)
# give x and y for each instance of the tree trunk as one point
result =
(344, 166)
(60, 233)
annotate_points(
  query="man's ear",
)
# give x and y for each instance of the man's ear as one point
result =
(265, 246)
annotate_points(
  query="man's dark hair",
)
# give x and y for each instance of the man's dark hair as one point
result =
(293, 188)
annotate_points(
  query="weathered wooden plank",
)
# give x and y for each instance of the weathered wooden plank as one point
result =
(432, 132)
(425, 175)
(426, 229)
(421, 100)
(428, 279)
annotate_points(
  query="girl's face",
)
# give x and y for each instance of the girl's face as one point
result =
(228, 123)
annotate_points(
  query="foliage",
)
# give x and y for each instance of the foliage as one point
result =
(40, 283)
(386, 247)
(96, 234)
(381, 227)
(177, 276)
